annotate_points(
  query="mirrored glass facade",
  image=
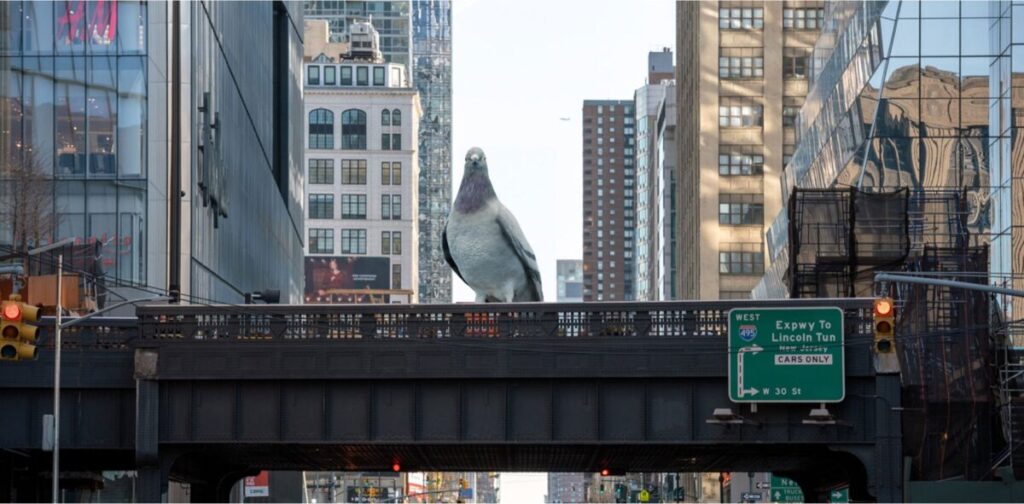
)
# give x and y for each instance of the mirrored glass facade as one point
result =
(74, 110)
(911, 95)
(87, 90)
(432, 76)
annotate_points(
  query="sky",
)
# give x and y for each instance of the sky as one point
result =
(522, 488)
(521, 66)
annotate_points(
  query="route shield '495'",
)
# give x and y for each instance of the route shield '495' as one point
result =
(786, 355)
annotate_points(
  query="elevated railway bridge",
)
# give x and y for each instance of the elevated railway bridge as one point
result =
(208, 394)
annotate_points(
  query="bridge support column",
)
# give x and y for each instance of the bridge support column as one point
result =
(888, 470)
(151, 484)
(153, 469)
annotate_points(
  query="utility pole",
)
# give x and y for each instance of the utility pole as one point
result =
(55, 487)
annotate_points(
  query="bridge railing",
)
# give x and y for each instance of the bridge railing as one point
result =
(101, 333)
(519, 320)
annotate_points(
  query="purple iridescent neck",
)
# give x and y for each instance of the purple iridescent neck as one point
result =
(475, 191)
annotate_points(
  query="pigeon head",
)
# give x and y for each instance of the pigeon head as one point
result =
(476, 160)
(476, 188)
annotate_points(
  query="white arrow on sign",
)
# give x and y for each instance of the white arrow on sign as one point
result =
(753, 350)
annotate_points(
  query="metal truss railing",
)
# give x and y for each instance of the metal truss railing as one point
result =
(525, 320)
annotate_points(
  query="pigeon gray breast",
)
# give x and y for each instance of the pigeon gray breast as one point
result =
(484, 244)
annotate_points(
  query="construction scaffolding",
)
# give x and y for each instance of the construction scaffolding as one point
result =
(840, 238)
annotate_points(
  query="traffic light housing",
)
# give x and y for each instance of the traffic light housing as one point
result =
(19, 335)
(884, 314)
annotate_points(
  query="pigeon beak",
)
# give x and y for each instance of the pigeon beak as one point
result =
(474, 158)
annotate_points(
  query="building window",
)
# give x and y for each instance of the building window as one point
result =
(353, 206)
(741, 62)
(396, 141)
(313, 75)
(321, 206)
(741, 259)
(353, 171)
(740, 209)
(362, 76)
(740, 160)
(321, 171)
(321, 129)
(353, 241)
(803, 19)
(378, 76)
(789, 113)
(353, 129)
(321, 241)
(385, 117)
(727, 294)
(391, 173)
(396, 117)
(385, 141)
(795, 62)
(396, 276)
(330, 75)
(390, 243)
(346, 76)
(739, 112)
(391, 207)
(740, 18)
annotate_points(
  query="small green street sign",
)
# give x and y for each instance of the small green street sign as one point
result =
(839, 495)
(786, 355)
(785, 490)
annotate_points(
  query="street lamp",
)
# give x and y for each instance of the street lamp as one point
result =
(56, 360)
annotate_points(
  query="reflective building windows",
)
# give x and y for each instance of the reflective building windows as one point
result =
(73, 107)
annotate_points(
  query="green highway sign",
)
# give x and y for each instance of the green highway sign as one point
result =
(839, 495)
(786, 355)
(785, 490)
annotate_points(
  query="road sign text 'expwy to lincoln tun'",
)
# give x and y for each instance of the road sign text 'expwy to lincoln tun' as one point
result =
(786, 355)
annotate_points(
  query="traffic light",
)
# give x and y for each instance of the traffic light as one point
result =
(19, 335)
(885, 325)
(620, 493)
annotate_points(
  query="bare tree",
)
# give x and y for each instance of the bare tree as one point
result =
(26, 201)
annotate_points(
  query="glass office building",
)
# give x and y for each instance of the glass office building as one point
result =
(174, 196)
(390, 18)
(914, 95)
(74, 107)
(432, 76)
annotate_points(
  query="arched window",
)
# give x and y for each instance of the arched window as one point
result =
(321, 129)
(396, 117)
(353, 129)
(385, 117)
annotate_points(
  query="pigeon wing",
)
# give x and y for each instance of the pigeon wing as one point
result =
(448, 253)
(517, 240)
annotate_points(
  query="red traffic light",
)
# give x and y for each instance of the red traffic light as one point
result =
(883, 307)
(12, 311)
(605, 472)
(396, 467)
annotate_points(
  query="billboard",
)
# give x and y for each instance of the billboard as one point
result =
(332, 279)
